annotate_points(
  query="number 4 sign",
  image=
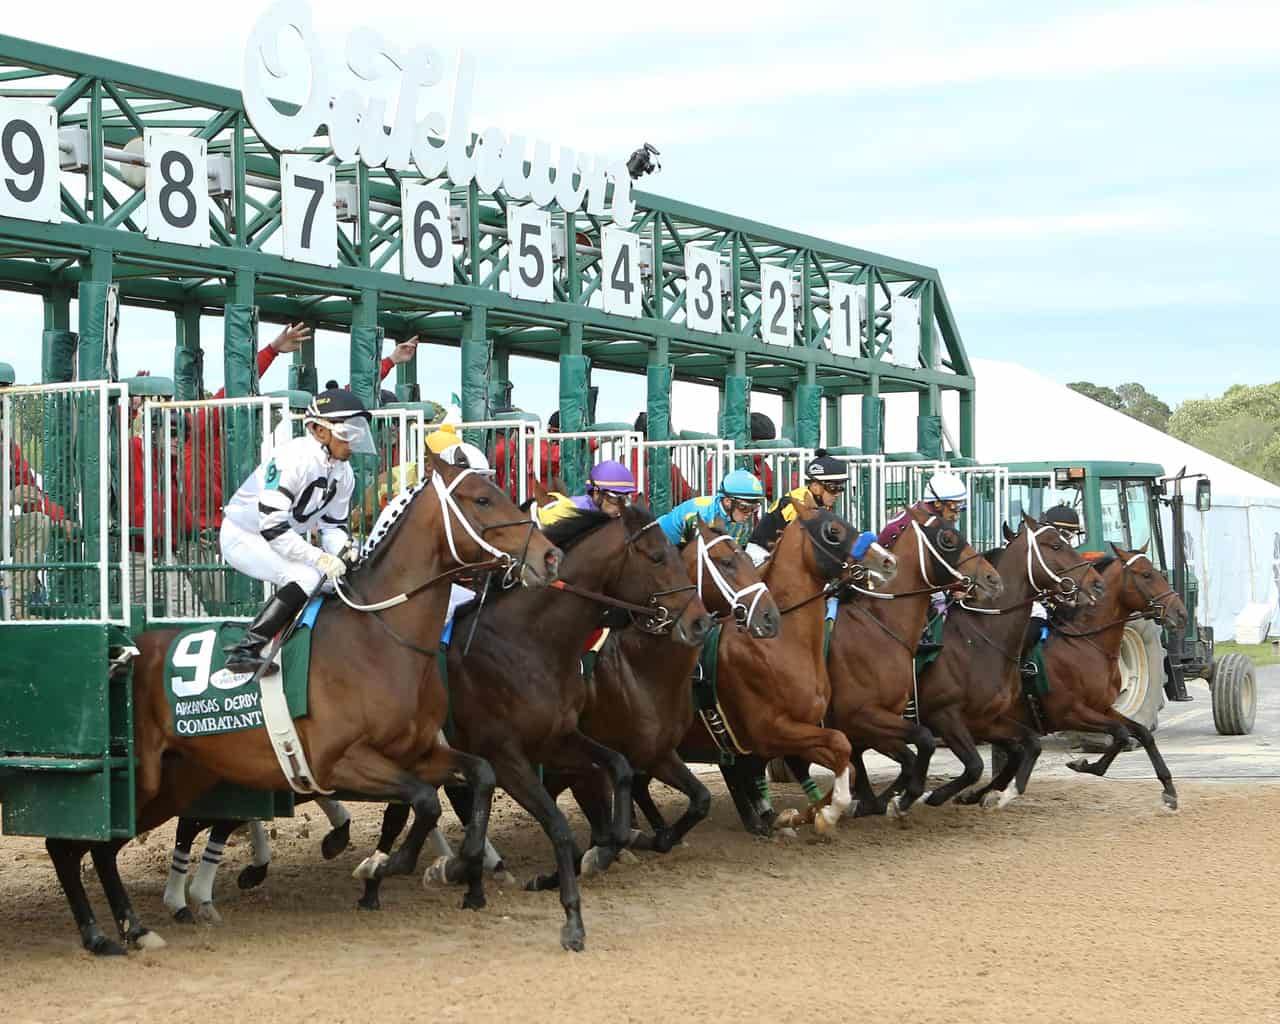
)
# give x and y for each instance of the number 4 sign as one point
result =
(307, 191)
(29, 185)
(177, 188)
(621, 284)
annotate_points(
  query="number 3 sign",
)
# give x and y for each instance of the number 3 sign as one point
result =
(29, 186)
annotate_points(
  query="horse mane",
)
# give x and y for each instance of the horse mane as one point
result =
(571, 528)
(1102, 562)
(379, 541)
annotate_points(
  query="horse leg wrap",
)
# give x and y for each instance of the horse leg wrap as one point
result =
(812, 791)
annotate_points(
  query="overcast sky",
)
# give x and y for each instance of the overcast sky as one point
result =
(1097, 183)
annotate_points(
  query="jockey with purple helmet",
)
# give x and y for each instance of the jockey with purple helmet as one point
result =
(610, 488)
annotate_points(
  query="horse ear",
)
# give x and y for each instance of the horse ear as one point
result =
(640, 505)
(1009, 535)
(537, 491)
(1143, 550)
(1115, 550)
(1028, 522)
(805, 509)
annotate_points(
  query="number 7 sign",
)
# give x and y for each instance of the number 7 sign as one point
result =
(307, 191)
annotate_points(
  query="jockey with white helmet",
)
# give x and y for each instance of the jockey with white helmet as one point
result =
(306, 485)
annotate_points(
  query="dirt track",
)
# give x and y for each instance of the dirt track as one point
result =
(1080, 901)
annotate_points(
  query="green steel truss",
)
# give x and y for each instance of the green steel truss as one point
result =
(99, 241)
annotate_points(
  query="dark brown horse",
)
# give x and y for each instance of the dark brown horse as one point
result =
(376, 703)
(517, 693)
(1082, 658)
(972, 692)
(871, 662)
(773, 694)
(638, 694)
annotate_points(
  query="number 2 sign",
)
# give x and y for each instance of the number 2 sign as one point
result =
(29, 185)
(307, 191)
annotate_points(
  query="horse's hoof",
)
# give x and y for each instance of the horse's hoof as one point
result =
(786, 833)
(895, 809)
(542, 883)
(183, 915)
(990, 801)
(573, 938)
(625, 856)
(593, 862)
(368, 903)
(470, 902)
(336, 841)
(1169, 802)
(437, 872)
(367, 868)
(969, 799)
(208, 913)
(147, 940)
(100, 945)
(1080, 764)
(788, 818)
(252, 876)
(933, 799)
(504, 878)
(825, 821)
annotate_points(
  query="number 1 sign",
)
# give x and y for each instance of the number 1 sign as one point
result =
(29, 186)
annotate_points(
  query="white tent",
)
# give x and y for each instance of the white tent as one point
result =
(1234, 548)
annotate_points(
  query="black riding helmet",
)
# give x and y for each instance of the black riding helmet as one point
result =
(1064, 517)
(826, 468)
(343, 413)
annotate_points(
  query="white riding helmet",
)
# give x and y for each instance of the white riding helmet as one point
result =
(466, 455)
(946, 487)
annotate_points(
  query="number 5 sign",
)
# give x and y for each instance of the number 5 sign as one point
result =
(529, 253)
(307, 191)
(177, 188)
(29, 186)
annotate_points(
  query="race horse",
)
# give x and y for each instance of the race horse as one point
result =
(872, 655)
(972, 692)
(771, 696)
(516, 688)
(1082, 662)
(638, 692)
(376, 704)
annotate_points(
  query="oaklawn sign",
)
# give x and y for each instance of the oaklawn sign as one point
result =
(432, 143)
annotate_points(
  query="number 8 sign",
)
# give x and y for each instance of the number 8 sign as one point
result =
(177, 188)
(29, 183)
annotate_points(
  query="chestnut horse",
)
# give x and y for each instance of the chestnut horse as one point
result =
(871, 662)
(773, 695)
(1082, 659)
(972, 692)
(375, 704)
(638, 694)
(518, 690)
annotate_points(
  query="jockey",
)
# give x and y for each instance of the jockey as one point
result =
(1067, 521)
(610, 488)
(306, 485)
(945, 496)
(736, 501)
(825, 478)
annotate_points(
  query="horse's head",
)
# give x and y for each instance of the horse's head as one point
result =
(481, 523)
(828, 553)
(728, 581)
(650, 572)
(1143, 588)
(1052, 566)
(945, 556)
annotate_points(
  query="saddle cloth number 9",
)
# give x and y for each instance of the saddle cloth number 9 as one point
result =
(195, 651)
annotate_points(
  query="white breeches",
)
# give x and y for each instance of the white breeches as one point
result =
(254, 557)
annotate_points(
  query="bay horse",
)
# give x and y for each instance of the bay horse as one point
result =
(972, 692)
(1082, 659)
(773, 695)
(517, 692)
(638, 699)
(872, 656)
(375, 704)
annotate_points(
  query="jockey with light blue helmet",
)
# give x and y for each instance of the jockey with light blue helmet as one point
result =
(736, 502)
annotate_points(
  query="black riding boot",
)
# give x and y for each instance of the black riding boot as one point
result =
(246, 656)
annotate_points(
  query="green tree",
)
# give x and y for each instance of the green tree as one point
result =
(1241, 426)
(1098, 392)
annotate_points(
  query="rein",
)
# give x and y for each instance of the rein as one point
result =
(1155, 610)
(885, 629)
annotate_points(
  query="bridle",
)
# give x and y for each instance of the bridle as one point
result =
(1156, 610)
(742, 612)
(923, 544)
(1066, 587)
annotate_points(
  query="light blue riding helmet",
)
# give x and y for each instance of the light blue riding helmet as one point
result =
(743, 485)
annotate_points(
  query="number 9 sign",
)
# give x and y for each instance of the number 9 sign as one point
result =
(29, 182)
(177, 188)
(425, 236)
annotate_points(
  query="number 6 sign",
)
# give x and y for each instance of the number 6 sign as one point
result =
(425, 235)
(29, 185)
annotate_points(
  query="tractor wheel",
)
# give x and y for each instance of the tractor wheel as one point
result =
(1141, 673)
(1235, 695)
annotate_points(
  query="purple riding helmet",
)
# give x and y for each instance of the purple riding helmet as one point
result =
(610, 486)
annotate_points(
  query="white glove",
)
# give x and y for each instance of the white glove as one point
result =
(331, 565)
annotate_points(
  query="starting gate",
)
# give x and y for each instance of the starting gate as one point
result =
(695, 466)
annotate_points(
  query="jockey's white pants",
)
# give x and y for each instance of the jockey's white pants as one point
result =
(253, 556)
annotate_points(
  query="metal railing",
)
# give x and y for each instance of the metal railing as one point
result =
(694, 466)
